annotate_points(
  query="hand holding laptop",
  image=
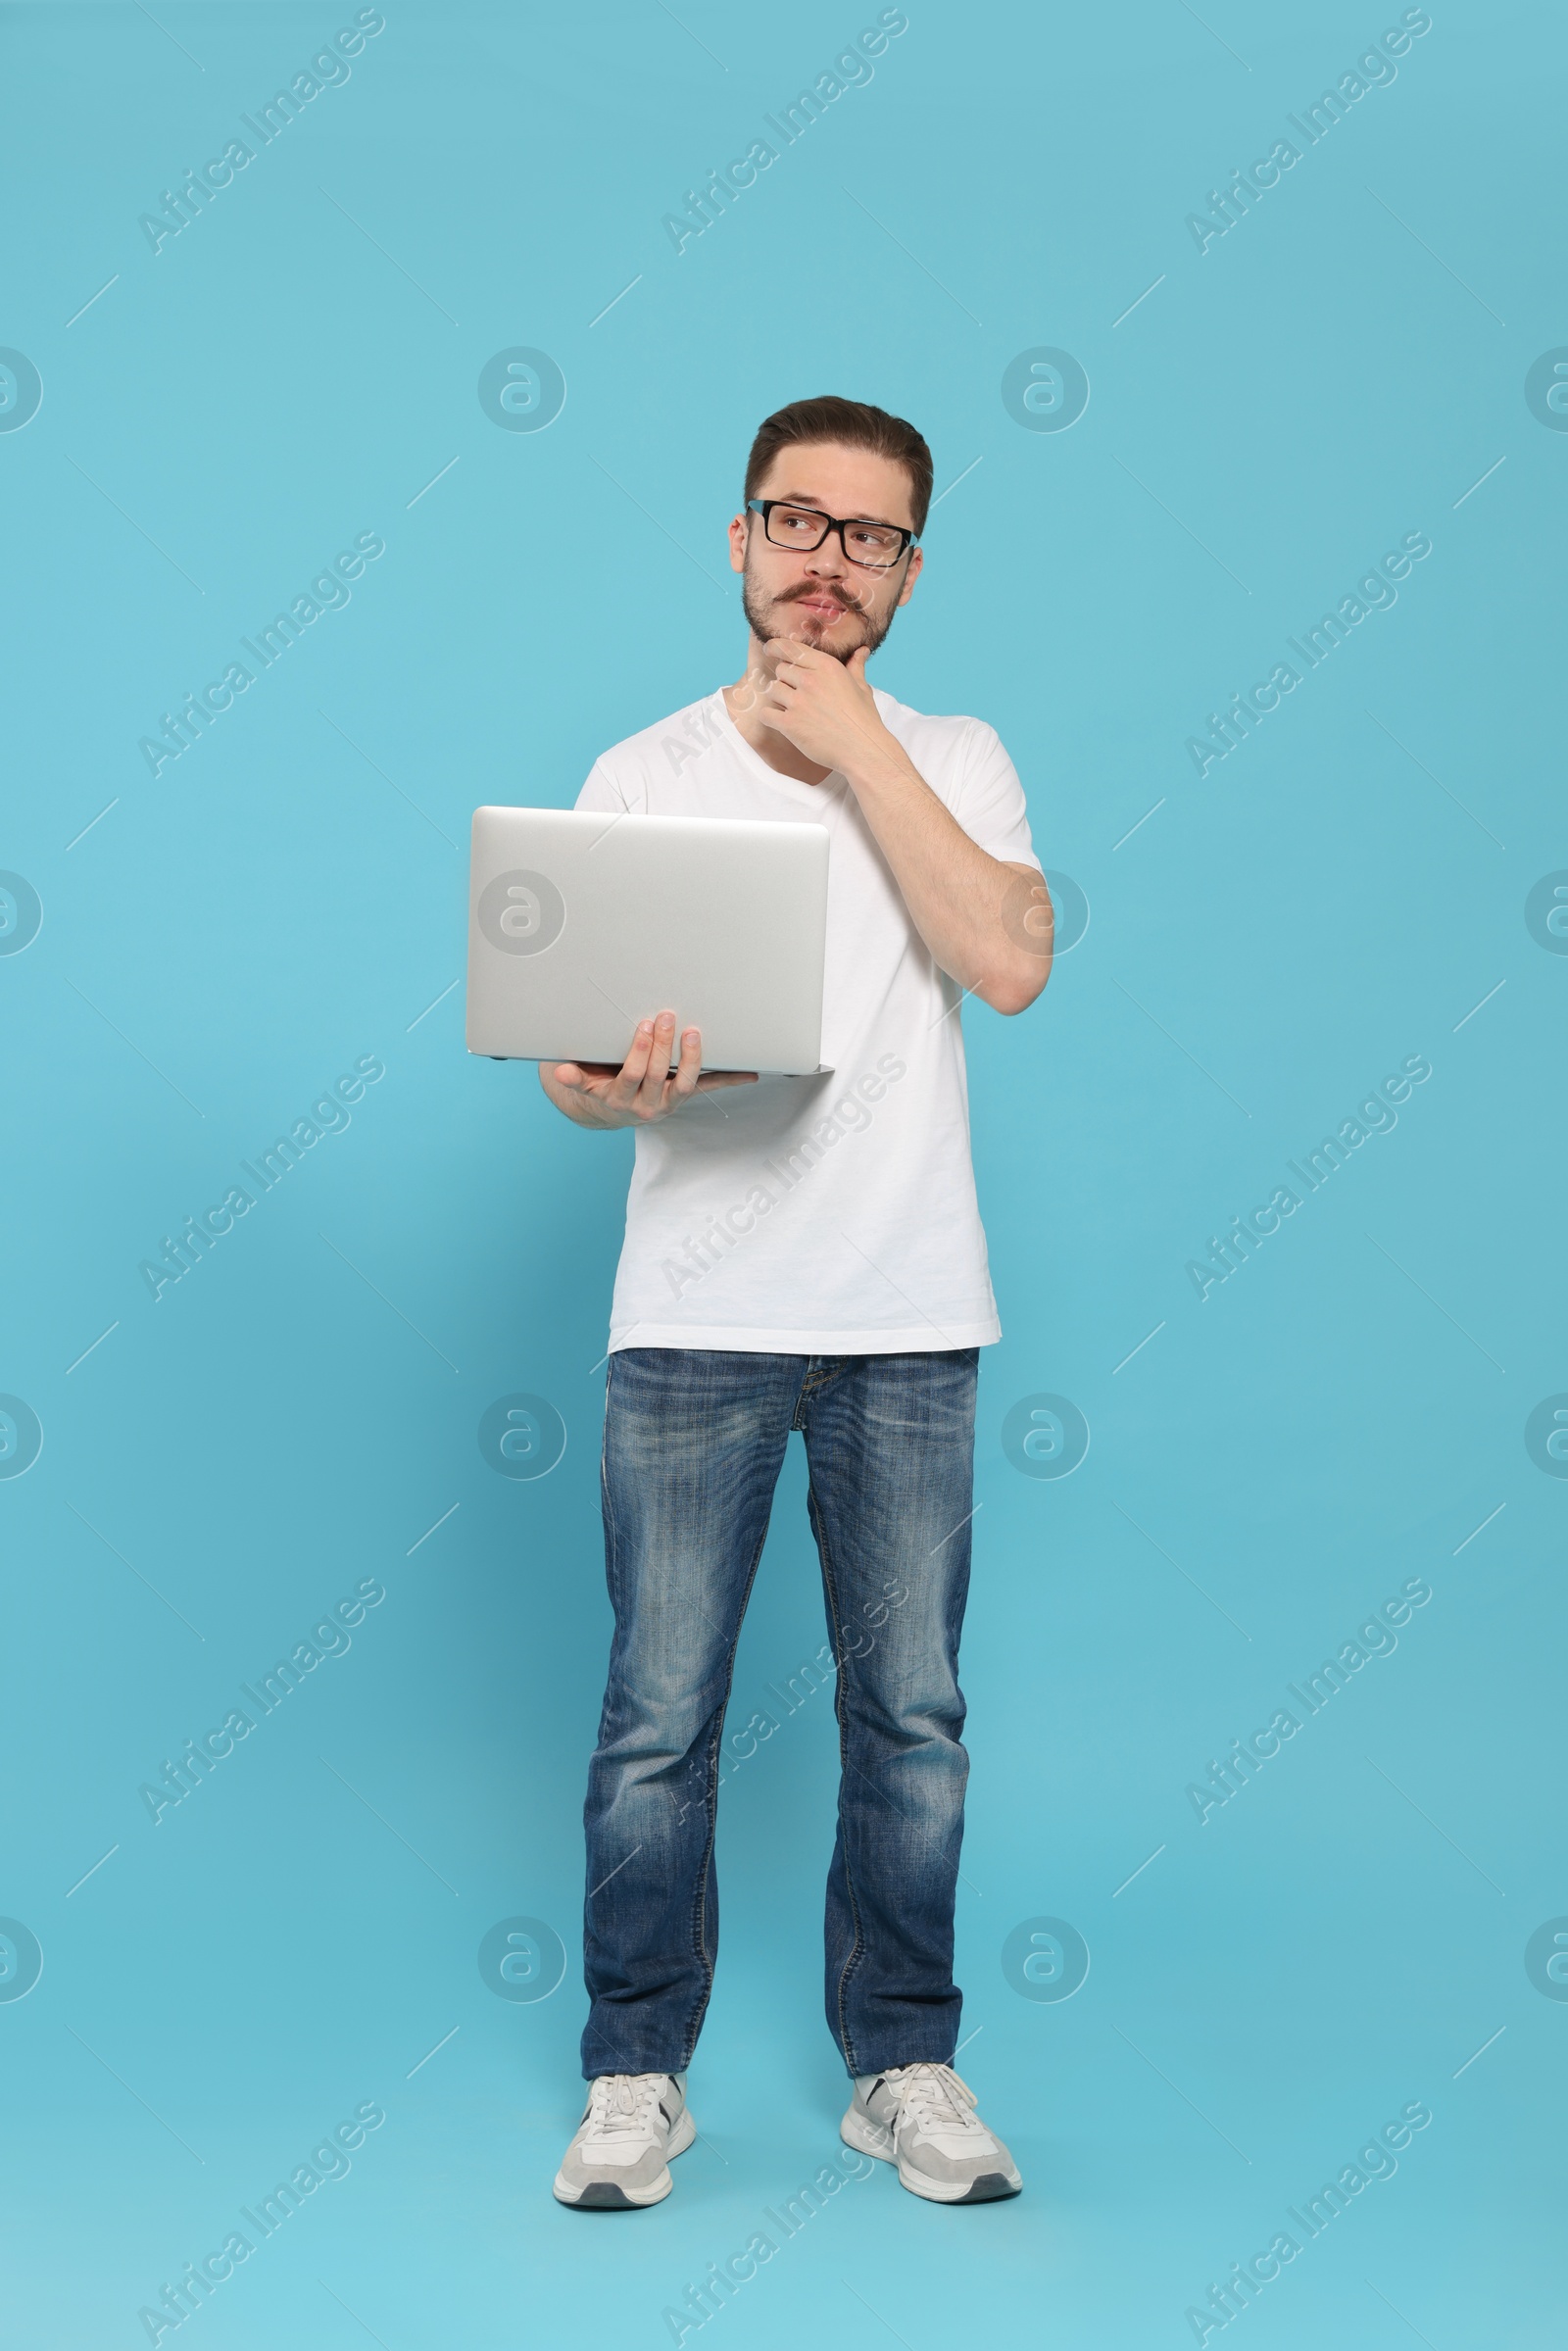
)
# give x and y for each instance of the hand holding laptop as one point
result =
(643, 1088)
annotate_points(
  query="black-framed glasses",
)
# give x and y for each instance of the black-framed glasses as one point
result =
(873, 546)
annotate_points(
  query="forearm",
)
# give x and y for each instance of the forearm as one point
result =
(974, 911)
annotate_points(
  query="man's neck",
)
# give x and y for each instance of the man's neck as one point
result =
(741, 703)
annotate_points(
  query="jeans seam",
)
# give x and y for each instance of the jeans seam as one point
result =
(830, 1585)
(607, 1504)
(695, 2024)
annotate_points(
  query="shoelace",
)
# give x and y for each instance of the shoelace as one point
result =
(935, 2093)
(619, 2108)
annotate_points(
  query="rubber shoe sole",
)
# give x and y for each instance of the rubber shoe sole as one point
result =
(857, 2130)
(603, 2196)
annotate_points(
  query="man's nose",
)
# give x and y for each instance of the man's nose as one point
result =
(828, 561)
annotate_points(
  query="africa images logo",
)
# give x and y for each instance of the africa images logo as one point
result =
(522, 914)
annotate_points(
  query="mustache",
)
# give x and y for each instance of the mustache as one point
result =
(845, 604)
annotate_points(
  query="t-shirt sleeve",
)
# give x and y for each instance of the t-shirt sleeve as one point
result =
(601, 790)
(989, 805)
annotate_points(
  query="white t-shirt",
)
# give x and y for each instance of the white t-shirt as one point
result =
(820, 1215)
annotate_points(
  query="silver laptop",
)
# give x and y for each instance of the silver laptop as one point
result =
(581, 923)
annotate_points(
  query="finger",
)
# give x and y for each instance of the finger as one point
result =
(690, 1064)
(710, 1079)
(795, 650)
(857, 660)
(651, 1093)
(629, 1076)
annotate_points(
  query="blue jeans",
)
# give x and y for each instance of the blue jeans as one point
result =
(694, 1440)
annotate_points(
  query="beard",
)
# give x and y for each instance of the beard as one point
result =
(774, 616)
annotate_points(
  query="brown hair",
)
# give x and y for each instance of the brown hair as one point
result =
(854, 425)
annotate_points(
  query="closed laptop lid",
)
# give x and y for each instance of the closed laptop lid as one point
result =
(582, 923)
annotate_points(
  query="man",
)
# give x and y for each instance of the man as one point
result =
(804, 1254)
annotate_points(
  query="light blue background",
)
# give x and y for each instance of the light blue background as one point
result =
(1337, 894)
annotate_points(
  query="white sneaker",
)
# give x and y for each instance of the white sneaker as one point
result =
(922, 2117)
(618, 2156)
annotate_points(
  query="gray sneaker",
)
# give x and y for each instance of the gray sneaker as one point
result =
(922, 2117)
(618, 2156)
